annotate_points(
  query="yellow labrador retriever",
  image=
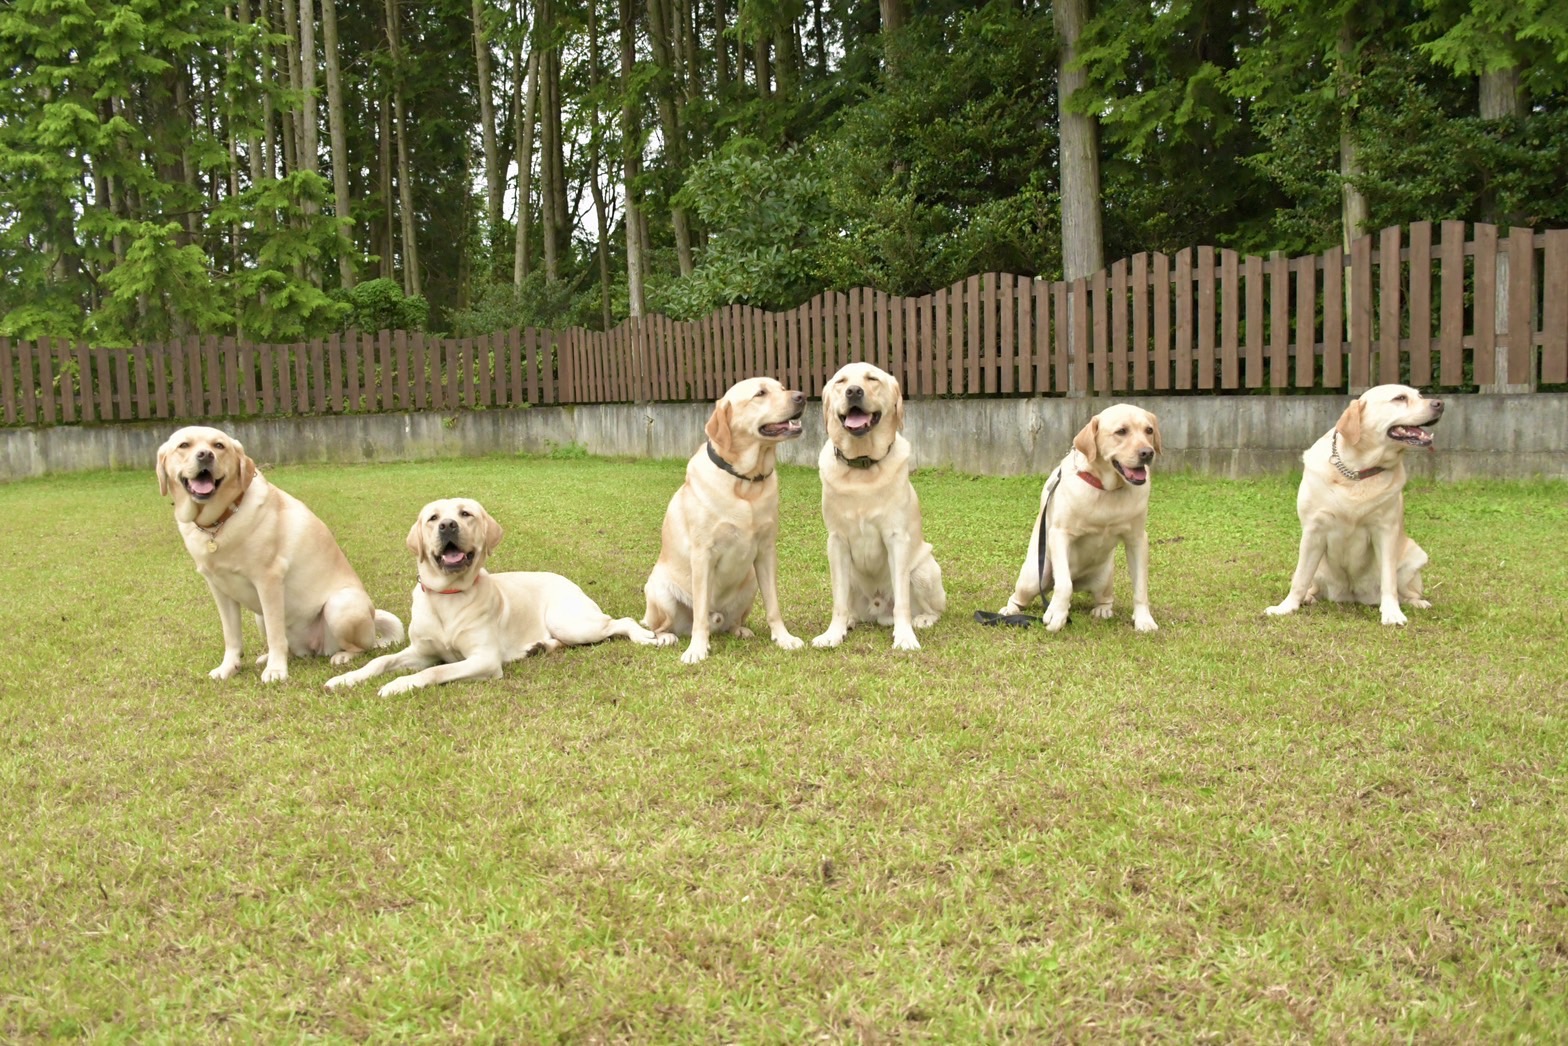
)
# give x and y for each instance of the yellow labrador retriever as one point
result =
(1096, 499)
(467, 622)
(881, 565)
(262, 549)
(718, 543)
(1351, 503)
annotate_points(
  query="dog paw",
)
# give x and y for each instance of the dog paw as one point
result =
(1143, 621)
(1279, 610)
(339, 682)
(665, 639)
(742, 632)
(277, 674)
(788, 642)
(400, 685)
(1054, 618)
(904, 639)
(1393, 616)
(225, 670)
(1101, 611)
(925, 620)
(343, 657)
(1420, 604)
(831, 638)
(694, 654)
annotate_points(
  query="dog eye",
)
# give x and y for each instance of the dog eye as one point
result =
(1401, 398)
(217, 446)
(185, 446)
(1122, 431)
(465, 513)
(760, 393)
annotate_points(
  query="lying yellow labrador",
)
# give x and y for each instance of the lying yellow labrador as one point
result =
(1351, 503)
(467, 622)
(718, 543)
(261, 549)
(881, 565)
(1096, 499)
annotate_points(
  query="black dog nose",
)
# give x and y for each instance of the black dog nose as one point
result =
(204, 456)
(854, 394)
(1436, 405)
(1146, 455)
(448, 526)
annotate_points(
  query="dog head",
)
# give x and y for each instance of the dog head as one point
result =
(1123, 439)
(205, 469)
(755, 414)
(451, 539)
(862, 410)
(1385, 420)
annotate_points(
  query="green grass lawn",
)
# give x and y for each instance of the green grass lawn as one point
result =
(1237, 828)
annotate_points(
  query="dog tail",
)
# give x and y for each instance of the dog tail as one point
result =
(389, 629)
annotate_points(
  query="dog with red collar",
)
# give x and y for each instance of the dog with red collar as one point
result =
(1096, 499)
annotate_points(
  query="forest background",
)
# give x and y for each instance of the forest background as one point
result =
(283, 169)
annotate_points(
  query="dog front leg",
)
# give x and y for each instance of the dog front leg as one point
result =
(701, 604)
(767, 568)
(900, 557)
(485, 666)
(1029, 581)
(275, 623)
(839, 566)
(408, 657)
(233, 636)
(1388, 551)
(1057, 546)
(1309, 557)
(1138, 567)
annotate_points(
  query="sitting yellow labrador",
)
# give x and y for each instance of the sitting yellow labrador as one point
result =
(1096, 499)
(1351, 503)
(262, 549)
(467, 622)
(880, 563)
(718, 545)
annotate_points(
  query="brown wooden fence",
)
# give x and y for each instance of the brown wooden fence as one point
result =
(1487, 311)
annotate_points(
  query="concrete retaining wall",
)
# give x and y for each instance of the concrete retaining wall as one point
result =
(1494, 435)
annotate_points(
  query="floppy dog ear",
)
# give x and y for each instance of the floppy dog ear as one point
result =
(1349, 423)
(1087, 440)
(827, 409)
(416, 537)
(165, 484)
(718, 427)
(1159, 444)
(898, 406)
(247, 467)
(493, 533)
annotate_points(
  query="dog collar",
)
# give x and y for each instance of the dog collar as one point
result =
(1344, 469)
(1091, 479)
(212, 531)
(863, 462)
(713, 456)
(448, 591)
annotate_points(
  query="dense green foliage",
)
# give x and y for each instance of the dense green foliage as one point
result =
(166, 168)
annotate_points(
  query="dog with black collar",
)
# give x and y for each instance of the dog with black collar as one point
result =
(881, 566)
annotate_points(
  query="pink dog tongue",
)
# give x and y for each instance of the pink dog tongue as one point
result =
(857, 420)
(1138, 474)
(453, 556)
(202, 485)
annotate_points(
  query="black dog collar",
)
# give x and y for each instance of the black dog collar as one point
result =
(713, 456)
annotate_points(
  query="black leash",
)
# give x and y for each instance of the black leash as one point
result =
(987, 617)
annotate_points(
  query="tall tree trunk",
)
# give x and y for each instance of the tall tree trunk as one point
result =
(1353, 203)
(386, 266)
(271, 144)
(721, 47)
(252, 146)
(819, 39)
(337, 130)
(493, 172)
(895, 15)
(405, 186)
(596, 143)
(563, 224)
(759, 58)
(631, 151)
(309, 139)
(521, 264)
(1083, 249)
(291, 117)
(549, 146)
(661, 34)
